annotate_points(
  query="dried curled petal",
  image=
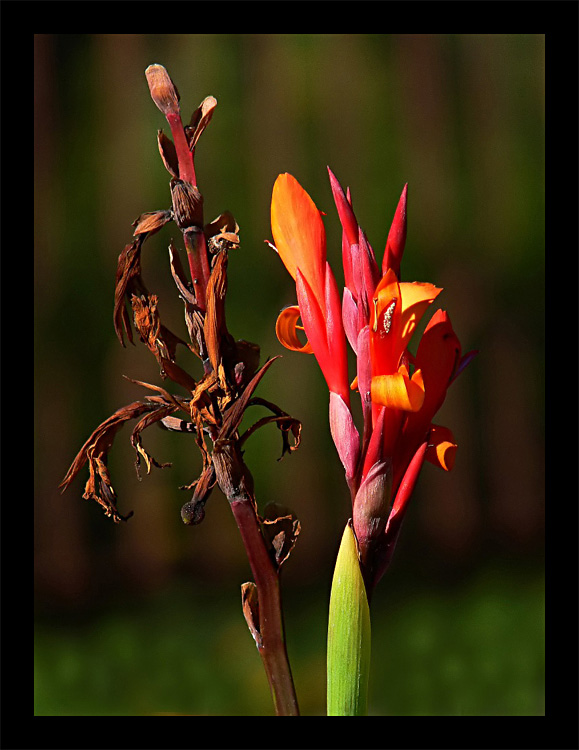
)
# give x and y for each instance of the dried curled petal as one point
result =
(128, 281)
(200, 120)
(280, 528)
(151, 222)
(96, 448)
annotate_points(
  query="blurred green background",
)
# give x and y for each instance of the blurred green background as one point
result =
(145, 617)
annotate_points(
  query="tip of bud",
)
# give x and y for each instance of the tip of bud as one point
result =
(163, 92)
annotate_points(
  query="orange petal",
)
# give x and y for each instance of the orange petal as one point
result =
(398, 391)
(416, 297)
(286, 330)
(397, 310)
(385, 313)
(441, 447)
(387, 290)
(298, 232)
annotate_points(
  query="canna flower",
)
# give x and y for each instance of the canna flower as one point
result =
(377, 314)
(300, 239)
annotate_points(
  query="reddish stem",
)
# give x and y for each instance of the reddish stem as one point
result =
(184, 155)
(196, 247)
(272, 646)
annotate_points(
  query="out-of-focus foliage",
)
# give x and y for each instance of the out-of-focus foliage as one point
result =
(456, 653)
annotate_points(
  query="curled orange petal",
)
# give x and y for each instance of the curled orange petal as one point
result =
(441, 447)
(286, 328)
(416, 297)
(398, 391)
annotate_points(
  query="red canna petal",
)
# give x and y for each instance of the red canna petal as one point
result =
(438, 355)
(336, 337)
(330, 353)
(396, 237)
(313, 319)
(399, 507)
(345, 211)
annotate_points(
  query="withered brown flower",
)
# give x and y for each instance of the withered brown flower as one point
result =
(216, 401)
(214, 407)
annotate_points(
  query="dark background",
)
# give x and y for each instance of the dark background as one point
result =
(145, 617)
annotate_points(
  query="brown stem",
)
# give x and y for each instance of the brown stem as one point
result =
(271, 644)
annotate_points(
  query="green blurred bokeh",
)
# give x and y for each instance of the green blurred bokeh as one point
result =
(145, 617)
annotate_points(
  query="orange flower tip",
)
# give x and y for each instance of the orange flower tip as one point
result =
(163, 91)
(298, 231)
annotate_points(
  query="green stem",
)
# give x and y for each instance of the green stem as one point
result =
(271, 640)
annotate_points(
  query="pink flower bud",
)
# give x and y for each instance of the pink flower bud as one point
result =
(372, 507)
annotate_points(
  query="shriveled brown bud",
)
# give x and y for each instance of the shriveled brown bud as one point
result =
(187, 204)
(151, 222)
(163, 91)
(168, 153)
(233, 476)
(250, 604)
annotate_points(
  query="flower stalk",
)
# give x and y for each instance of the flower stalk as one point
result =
(400, 393)
(216, 402)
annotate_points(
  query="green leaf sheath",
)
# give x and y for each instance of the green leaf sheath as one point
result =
(349, 634)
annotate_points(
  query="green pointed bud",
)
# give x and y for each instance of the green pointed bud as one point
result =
(348, 634)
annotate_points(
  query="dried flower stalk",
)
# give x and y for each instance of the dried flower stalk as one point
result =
(216, 402)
